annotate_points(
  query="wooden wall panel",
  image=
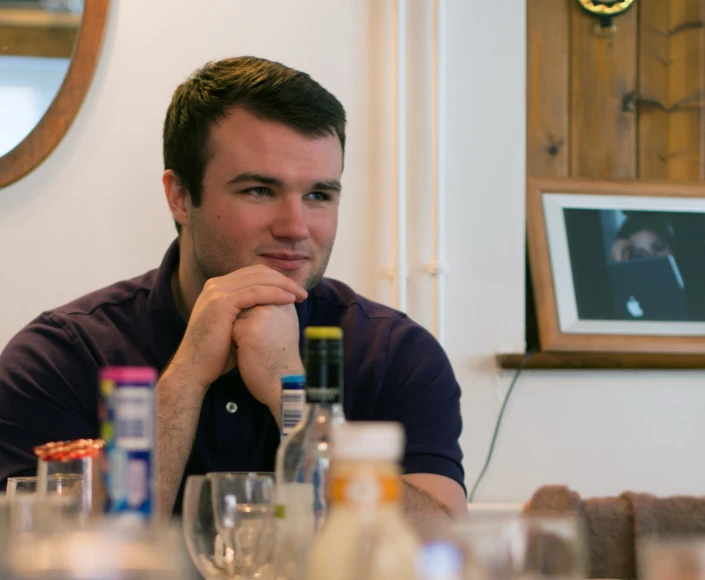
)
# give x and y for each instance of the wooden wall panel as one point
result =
(603, 76)
(548, 136)
(671, 88)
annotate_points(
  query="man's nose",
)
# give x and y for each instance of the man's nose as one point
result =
(291, 220)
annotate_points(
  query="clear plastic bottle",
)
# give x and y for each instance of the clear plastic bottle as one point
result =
(303, 457)
(366, 534)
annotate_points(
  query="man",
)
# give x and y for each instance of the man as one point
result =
(644, 235)
(253, 156)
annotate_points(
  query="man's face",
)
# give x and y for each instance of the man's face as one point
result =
(646, 243)
(270, 196)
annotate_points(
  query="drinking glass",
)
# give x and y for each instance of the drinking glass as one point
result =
(671, 559)
(42, 514)
(523, 547)
(205, 545)
(243, 509)
(17, 485)
(103, 549)
(5, 536)
(88, 468)
(64, 485)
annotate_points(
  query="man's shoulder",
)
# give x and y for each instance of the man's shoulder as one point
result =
(339, 296)
(376, 326)
(102, 327)
(48, 370)
(119, 295)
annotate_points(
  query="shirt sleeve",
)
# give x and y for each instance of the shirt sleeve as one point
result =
(421, 392)
(48, 392)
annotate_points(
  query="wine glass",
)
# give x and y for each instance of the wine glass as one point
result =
(205, 545)
(243, 507)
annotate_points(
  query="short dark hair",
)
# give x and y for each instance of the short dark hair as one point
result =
(265, 88)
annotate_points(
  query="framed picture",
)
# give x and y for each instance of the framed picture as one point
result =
(618, 266)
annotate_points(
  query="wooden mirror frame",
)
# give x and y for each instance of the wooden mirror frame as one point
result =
(56, 121)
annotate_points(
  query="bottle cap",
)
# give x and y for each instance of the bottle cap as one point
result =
(69, 450)
(323, 332)
(293, 380)
(129, 374)
(374, 441)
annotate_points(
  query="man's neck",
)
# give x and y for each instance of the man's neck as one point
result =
(186, 284)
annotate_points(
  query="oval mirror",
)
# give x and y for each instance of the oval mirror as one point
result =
(48, 52)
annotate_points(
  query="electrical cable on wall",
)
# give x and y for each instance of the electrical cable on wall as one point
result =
(520, 368)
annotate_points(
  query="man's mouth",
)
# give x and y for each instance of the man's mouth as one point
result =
(288, 261)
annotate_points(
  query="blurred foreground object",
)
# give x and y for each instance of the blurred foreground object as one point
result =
(108, 550)
(615, 526)
(65, 463)
(514, 546)
(209, 554)
(672, 559)
(366, 531)
(127, 425)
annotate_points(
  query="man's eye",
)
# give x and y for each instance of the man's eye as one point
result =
(640, 253)
(259, 191)
(318, 196)
(658, 246)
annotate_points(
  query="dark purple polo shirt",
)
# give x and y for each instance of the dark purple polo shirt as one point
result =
(394, 371)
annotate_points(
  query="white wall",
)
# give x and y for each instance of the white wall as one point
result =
(93, 213)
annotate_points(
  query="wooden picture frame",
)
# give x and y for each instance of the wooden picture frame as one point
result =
(561, 212)
(52, 127)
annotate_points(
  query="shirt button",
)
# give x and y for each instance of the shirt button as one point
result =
(231, 407)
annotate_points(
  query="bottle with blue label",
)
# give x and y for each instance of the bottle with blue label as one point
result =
(304, 455)
(127, 421)
(293, 402)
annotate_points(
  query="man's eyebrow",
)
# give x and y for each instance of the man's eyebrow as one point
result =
(330, 185)
(249, 177)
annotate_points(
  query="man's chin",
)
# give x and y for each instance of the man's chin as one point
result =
(312, 282)
(305, 276)
(307, 280)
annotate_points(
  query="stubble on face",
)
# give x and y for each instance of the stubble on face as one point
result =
(215, 257)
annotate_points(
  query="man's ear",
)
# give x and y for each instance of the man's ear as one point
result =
(176, 196)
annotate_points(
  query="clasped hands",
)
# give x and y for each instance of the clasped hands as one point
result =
(246, 319)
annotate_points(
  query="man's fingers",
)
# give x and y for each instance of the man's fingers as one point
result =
(257, 276)
(261, 295)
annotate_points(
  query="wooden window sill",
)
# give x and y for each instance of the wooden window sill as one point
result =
(602, 360)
